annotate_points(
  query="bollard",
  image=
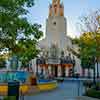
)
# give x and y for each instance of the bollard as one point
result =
(13, 89)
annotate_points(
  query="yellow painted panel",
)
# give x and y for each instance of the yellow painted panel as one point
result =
(47, 86)
(24, 88)
(3, 88)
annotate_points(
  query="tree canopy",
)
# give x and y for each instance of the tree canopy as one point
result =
(89, 41)
(90, 47)
(16, 33)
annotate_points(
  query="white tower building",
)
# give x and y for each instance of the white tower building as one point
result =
(56, 28)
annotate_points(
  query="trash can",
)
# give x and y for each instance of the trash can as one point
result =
(13, 89)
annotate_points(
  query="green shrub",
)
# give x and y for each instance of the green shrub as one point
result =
(98, 86)
(93, 93)
(10, 98)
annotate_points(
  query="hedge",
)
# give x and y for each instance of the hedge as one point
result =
(93, 93)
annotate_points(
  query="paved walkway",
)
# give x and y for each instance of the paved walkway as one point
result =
(66, 91)
(65, 98)
(85, 98)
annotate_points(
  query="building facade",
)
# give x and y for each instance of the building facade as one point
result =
(56, 57)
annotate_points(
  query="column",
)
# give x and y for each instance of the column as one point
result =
(59, 71)
(66, 71)
(46, 72)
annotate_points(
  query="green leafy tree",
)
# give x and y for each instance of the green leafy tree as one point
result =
(16, 33)
(89, 41)
(89, 48)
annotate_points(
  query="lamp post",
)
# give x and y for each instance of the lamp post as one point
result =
(94, 79)
(14, 63)
(97, 68)
(37, 60)
(73, 62)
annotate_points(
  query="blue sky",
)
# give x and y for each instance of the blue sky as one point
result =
(73, 10)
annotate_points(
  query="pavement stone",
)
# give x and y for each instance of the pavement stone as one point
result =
(85, 98)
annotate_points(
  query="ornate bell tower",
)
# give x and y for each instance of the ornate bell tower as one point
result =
(56, 25)
(56, 28)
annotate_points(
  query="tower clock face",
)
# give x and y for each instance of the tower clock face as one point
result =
(54, 24)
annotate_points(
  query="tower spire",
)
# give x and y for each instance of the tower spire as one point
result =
(56, 8)
(56, 1)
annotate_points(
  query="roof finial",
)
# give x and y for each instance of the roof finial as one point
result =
(56, 1)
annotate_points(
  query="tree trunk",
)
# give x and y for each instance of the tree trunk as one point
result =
(97, 70)
(94, 79)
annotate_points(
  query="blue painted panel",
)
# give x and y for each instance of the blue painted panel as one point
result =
(11, 76)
